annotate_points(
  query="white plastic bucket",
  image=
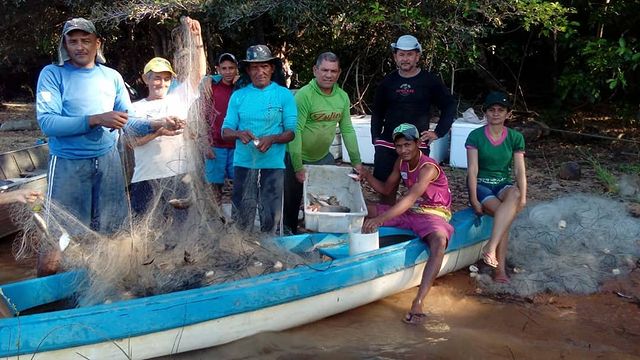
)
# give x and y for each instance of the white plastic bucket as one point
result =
(359, 243)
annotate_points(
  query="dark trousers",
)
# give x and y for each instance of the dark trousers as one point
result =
(294, 189)
(257, 189)
(384, 159)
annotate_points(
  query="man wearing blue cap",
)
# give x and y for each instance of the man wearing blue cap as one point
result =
(79, 102)
(261, 119)
(405, 96)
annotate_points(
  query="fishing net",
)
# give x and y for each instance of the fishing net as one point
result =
(184, 239)
(569, 245)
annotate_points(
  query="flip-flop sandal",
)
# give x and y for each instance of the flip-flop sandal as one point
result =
(414, 318)
(489, 260)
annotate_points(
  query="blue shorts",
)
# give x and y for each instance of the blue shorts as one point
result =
(220, 168)
(487, 191)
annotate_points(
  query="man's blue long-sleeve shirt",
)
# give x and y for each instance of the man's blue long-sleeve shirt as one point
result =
(68, 95)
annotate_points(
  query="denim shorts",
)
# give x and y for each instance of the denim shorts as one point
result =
(487, 191)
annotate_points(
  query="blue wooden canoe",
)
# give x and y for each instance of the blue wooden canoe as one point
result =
(213, 315)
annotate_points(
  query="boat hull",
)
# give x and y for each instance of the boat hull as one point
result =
(200, 318)
(25, 168)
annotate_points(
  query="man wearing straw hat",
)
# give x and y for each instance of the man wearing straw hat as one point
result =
(79, 104)
(261, 119)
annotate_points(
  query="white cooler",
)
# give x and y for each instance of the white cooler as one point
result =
(362, 126)
(459, 132)
(439, 149)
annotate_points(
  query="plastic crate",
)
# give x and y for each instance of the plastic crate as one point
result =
(329, 180)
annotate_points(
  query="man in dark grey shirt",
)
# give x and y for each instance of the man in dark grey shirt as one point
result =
(405, 96)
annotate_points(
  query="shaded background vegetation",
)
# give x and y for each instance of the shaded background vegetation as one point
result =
(551, 56)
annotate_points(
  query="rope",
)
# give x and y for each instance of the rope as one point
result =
(594, 136)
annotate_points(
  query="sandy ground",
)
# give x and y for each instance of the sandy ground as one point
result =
(462, 324)
(14, 140)
(602, 325)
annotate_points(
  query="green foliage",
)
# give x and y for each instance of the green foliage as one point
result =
(109, 14)
(597, 66)
(603, 174)
(592, 50)
(548, 17)
(602, 63)
(630, 168)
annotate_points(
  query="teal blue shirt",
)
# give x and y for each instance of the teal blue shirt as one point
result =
(268, 111)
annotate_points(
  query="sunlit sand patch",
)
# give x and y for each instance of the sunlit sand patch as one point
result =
(435, 323)
(436, 326)
(431, 340)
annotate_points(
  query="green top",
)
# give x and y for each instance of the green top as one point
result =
(495, 159)
(318, 114)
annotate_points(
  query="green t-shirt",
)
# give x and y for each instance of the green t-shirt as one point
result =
(318, 115)
(495, 159)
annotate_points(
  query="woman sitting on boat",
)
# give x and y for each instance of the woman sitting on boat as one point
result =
(425, 209)
(492, 150)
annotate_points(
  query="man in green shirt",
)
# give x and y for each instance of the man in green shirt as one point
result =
(322, 105)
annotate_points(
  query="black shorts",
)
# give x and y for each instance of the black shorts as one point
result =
(384, 159)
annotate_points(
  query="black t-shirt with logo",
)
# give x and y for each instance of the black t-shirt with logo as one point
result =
(408, 100)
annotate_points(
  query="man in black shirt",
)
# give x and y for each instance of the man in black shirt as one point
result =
(405, 96)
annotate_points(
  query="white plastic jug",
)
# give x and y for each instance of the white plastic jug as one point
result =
(359, 243)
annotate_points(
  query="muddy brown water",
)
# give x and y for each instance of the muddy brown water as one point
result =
(462, 325)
